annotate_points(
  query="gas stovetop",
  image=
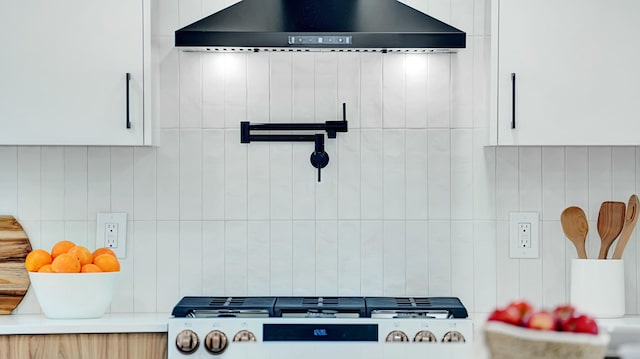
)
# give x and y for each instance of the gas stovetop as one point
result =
(289, 327)
(322, 307)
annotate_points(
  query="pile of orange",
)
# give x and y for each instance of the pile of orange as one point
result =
(67, 257)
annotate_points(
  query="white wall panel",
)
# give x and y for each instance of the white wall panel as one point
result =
(144, 186)
(191, 175)
(9, 182)
(53, 183)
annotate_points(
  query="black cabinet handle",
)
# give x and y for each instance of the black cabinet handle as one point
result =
(128, 79)
(513, 100)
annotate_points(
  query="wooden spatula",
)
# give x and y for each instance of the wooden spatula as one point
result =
(610, 224)
(575, 227)
(629, 224)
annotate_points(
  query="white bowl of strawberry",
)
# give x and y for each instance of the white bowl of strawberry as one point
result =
(518, 330)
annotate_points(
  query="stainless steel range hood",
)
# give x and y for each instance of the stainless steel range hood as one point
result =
(320, 25)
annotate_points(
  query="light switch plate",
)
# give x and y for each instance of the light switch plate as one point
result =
(524, 239)
(111, 232)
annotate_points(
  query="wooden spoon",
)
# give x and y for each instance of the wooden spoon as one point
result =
(629, 224)
(610, 224)
(575, 227)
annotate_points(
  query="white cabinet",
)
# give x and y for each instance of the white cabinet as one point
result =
(577, 72)
(63, 72)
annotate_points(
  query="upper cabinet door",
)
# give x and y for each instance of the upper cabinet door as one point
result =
(63, 71)
(568, 72)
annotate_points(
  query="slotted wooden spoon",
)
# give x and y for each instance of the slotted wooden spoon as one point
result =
(629, 224)
(575, 227)
(610, 224)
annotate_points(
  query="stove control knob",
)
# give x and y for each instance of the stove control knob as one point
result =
(187, 341)
(244, 336)
(216, 342)
(425, 336)
(397, 336)
(453, 337)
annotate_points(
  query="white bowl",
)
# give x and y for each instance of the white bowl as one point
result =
(74, 295)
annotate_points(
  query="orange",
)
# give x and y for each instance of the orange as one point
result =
(66, 263)
(36, 259)
(45, 269)
(107, 263)
(82, 253)
(104, 250)
(90, 268)
(61, 247)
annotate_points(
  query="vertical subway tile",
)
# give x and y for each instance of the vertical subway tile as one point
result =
(508, 269)
(191, 175)
(372, 260)
(303, 186)
(416, 193)
(462, 15)
(303, 260)
(235, 176)
(144, 183)
(484, 177)
(462, 174)
(462, 86)
(213, 258)
(235, 83)
(281, 180)
(394, 174)
(531, 279)
(481, 76)
(144, 266)
(29, 179)
(213, 90)
(168, 103)
(213, 175)
(553, 254)
(462, 261)
(258, 262)
(122, 179)
(349, 257)
(235, 257)
(485, 268)
(258, 181)
(439, 177)
(439, 91)
(50, 233)
(257, 88)
(440, 9)
(167, 265)
(327, 190)
(326, 253)
(577, 177)
(371, 90)
(439, 247)
(164, 17)
(416, 84)
(189, 11)
(53, 183)
(123, 297)
(348, 163)
(371, 171)
(506, 181)
(77, 232)
(304, 84)
(190, 89)
(530, 179)
(326, 86)
(553, 180)
(9, 180)
(281, 258)
(394, 248)
(280, 90)
(393, 91)
(75, 183)
(416, 258)
(168, 180)
(190, 264)
(600, 178)
(349, 87)
(99, 181)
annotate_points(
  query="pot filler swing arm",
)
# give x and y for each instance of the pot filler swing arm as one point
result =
(319, 158)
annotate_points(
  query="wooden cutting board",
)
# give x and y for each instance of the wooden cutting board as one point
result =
(14, 278)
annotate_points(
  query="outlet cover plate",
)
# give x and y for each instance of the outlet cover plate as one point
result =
(105, 223)
(515, 249)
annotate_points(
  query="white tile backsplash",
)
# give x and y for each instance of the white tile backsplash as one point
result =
(411, 203)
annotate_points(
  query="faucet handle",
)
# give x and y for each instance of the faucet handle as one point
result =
(319, 158)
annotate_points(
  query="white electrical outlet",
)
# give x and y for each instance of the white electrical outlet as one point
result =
(111, 232)
(524, 241)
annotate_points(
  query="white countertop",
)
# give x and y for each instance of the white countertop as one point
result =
(109, 323)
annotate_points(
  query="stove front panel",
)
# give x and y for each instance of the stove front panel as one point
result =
(321, 338)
